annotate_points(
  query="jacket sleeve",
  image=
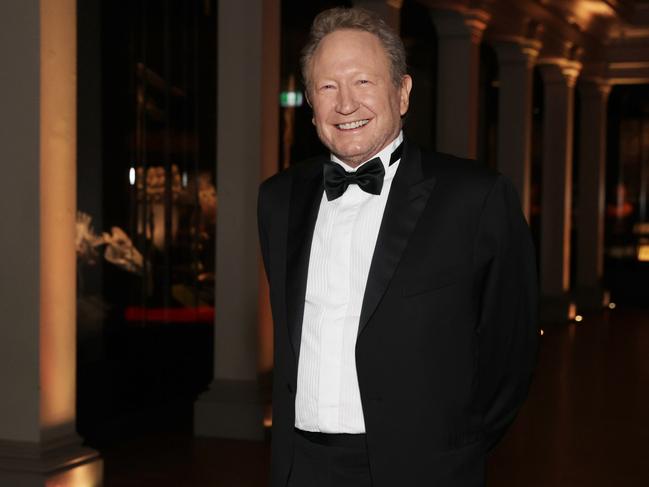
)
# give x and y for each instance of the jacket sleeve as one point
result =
(507, 328)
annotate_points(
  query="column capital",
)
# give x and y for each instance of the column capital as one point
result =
(559, 70)
(460, 23)
(596, 88)
(595, 79)
(515, 50)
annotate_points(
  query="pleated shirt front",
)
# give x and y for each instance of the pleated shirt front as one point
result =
(327, 397)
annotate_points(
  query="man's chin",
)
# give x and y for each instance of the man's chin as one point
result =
(353, 156)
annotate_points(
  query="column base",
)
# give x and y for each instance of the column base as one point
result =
(592, 298)
(88, 474)
(556, 309)
(230, 409)
(49, 463)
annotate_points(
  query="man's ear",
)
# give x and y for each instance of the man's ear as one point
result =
(306, 96)
(404, 94)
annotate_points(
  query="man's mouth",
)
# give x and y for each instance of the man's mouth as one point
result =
(352, 125)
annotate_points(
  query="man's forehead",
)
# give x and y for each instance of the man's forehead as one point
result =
(348, 44)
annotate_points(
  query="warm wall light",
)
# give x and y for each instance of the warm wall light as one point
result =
(579, 318)
(131, 176)
(611, 305)
(58, 183)
(586, 11)
(643, 253)
(595, 7)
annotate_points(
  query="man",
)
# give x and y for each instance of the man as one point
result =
(402, 285)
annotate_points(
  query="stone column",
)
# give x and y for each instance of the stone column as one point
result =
(232, 407)
(559, 76)
(516, 60)
(38, 266)
(270, 85)
(592, 192)
(459, 35)
(388, 10)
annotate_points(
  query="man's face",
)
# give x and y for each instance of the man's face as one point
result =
(357, 108)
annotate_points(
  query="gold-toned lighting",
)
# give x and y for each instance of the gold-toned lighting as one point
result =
(595, 7)
(643, 253)
(85, 475)
(579, 318)
(611, 305)
(586, 11)
(58, 197)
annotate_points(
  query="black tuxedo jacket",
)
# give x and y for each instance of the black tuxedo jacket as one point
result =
(447, 336)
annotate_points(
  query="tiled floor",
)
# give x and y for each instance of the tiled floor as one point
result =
(586, 423)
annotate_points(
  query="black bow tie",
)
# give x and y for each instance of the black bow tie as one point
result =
(369, 177)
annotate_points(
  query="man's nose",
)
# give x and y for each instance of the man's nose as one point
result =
(346, 102)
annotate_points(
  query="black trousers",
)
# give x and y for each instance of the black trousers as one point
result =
(330, 461)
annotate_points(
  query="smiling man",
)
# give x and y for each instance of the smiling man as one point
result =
(402, 283)
(357, 101)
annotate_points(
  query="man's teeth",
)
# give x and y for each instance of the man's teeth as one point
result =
(352, 125)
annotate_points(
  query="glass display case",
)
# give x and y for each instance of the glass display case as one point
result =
(147, 200)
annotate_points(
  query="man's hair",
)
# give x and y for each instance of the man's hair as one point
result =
(341, 18)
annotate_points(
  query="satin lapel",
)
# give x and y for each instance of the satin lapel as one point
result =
(408, 196)
(305, 201)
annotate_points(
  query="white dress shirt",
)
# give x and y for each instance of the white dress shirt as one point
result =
(328, 398)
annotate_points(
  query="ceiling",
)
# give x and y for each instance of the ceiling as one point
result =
(610, 38)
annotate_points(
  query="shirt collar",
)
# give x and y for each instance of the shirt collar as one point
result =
(384, 155)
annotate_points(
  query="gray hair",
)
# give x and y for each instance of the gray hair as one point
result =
(340, 18)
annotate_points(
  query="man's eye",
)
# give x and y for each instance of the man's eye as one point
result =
(327, 87)
(363, 81)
